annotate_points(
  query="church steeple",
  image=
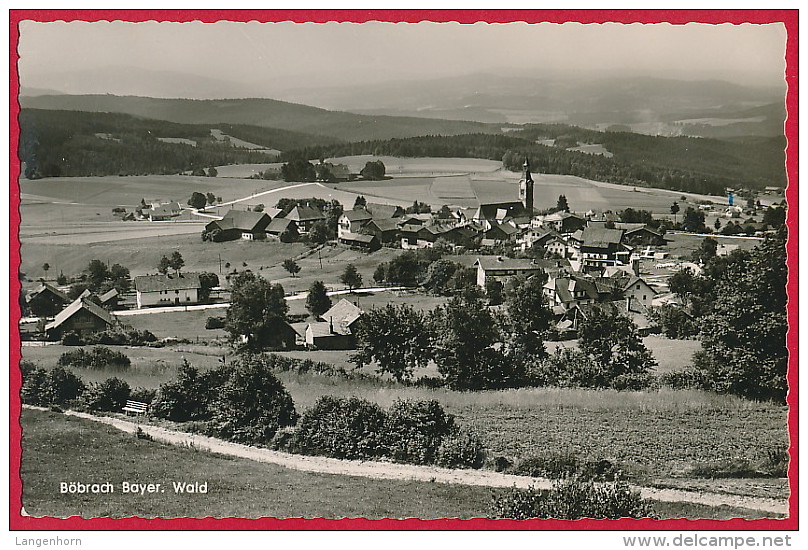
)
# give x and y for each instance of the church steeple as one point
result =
(526, 189)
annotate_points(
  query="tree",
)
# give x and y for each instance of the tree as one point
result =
(717, 224)
(175, 261)
(464, 332)
(706, 251)
(396, 338)
(197, 200)
(96, 273)
(445, 213)
(164, 265)
(360, 202)
(207, 281)
(373, 170)
(211, 198)
(298, 170)
(291, 266)
(319, 232)
(257, 311)
(438, 275)
(380, 273)
(212, 173)
(614, 344)
(45, 267)
(675, 210)
(529, 316)
(120, 278)
(404, 269)
(744, 336)
(333, 212)
(259, 207)
(351, 277)
(253, 404)
(774, 216)
(318, 302)
(562, 205)
(693, 221)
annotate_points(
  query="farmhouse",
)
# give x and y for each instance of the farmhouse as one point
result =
(283, 229)
(498, 267)
(598, 247)
(46, 300)
(358, 240)
(83, 316)
(166, 290)
(564, 222)
(352, 221)
(305, 216)
(238, 224)
(500, 212)
(385, 229)
(639, 234)
(336, 331)
(164, 212)
(499, 233)
(384, 211)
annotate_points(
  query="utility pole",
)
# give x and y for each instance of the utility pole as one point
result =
(220, 264)
(319, 257)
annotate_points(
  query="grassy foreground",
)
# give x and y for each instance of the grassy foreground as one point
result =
(58, 448)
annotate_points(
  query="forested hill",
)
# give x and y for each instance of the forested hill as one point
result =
(261, 112)
(684, 164)
(71, 143)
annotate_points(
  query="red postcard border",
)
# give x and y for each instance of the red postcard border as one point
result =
(788, 17)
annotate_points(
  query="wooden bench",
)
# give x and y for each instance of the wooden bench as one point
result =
(136, 407)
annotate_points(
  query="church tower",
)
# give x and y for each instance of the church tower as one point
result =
(526, 189)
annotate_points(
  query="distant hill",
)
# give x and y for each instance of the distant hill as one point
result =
(261, 112)
(74, 143)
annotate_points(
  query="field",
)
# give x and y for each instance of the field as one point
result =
(60, 448)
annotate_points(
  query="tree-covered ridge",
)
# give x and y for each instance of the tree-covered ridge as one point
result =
(73, 143)
(683, 164)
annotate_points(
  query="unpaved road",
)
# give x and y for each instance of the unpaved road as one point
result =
(385, 470)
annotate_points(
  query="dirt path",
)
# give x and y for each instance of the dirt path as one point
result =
(385, 470)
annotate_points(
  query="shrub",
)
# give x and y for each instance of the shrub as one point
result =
(252, 403)
(341, 428)
(572, 499)
(72, 338)
(100, 357)
(54, 387)
(415, 429)
(684, 380)
(461, 449)
(214, 322)
(774, 463)
(725, 468)
(562, 465)
(190, 396)
(120, 338)
(26, 368)
(109, 395)
(633, 381)
(144, 395)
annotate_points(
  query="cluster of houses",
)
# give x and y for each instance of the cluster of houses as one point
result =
(259, 226)
(88, 313)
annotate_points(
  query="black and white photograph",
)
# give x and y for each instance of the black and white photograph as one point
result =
(522, 270)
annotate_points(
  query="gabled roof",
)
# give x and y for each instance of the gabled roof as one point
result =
(384, 224)
(634, 280)
(156, 283)
(279, 225)
(357, 215)
(380, 211)
(501, 210)
(304, 213)
(75, 307)
(109, 295)
(561, 216)
(324, 329)
(600, 237)
(48, 288)
(343, 312)
(245, 221)
(504, 228)
(357, 237)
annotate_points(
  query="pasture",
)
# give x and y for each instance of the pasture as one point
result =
(60, 447)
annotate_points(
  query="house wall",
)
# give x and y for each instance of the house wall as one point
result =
(640, 293)
(186, 296)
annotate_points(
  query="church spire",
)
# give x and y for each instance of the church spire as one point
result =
(526, 189)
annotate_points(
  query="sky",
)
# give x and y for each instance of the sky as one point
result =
(294, 54)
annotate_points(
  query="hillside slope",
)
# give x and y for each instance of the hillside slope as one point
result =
(261, 112)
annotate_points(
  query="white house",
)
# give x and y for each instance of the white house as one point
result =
(167, 290)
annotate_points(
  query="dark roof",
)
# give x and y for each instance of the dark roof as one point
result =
(109, 295)
(279, 225)
(155, 283)
(245, 221)
(304, 213)
(48, 288)
(601, 237)
(384, 224)
(380, 211)
(501, 210)
(504, 228)
(343, 312)
(75, 307)
(357, 215)
(357, 237)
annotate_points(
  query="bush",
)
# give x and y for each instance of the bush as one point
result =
(252, 403)
(341, 428)
(190, 396)
(72, 338)
(725, 468)
(120, 338)
(633, 381)
(110, 395)
(563, 465)
(415, 429)
(774, 463)
(214, 322)
(100, 357)
(57, 386)
(572, 499)
(461, 449)
(684, 380)
(144, 395)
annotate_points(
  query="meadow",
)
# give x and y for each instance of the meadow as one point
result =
(60, 448)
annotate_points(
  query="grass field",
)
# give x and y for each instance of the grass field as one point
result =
(59, 448)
